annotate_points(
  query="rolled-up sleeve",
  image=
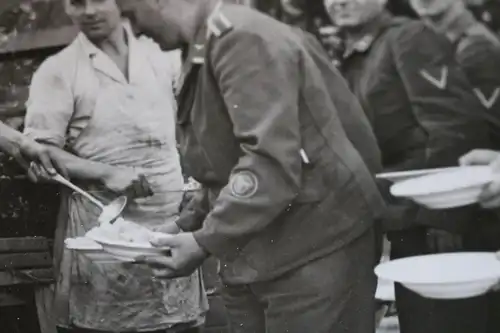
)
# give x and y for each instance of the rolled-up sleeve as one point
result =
(50, 105)
(259, 82)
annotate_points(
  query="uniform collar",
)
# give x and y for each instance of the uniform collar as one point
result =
(364, 41)
(216, 24)
(197, 49)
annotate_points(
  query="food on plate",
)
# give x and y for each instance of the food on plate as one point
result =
(122, 231)
(82, 243)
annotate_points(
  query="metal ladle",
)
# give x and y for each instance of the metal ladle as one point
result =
(109, 212)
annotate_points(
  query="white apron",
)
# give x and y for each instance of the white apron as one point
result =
(132, 125)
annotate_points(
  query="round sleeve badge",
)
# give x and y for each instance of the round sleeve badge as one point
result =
(243, 184)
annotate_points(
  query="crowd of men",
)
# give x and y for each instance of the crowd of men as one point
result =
(285, 139)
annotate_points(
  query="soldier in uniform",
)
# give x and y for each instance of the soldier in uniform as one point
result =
(288, 205)
(425, 115)
(477, 50)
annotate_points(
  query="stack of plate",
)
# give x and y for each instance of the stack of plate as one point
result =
(126, 251)
(400, 176)
(90, 249)
(444, 276)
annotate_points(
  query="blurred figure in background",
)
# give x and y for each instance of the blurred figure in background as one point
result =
(307, 15)
(487, 12)
(477, 50)
(424, 115)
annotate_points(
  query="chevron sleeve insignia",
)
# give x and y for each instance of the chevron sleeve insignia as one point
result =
(439, 81)
(487, 102)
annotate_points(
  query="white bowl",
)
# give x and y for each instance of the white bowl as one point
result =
(385, 291)
(400, 176)
(126, 251)
(447, 189)
(90, 249)
(444, 276)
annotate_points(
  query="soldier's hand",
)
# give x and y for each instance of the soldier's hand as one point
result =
(127, 181)
(440, 241)
(37, 160)
(184, 257)
(490, 196)
(481, 157)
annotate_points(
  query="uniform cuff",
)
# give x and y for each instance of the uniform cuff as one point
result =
(217, 245)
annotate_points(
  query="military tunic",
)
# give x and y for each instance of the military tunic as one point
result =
(283, 185)
(425, 115)
(421, 106)
(287, 199)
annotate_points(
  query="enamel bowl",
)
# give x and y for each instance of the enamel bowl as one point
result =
(448, 189)
(444, 276)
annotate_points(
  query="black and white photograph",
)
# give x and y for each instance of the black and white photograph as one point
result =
(249, 166)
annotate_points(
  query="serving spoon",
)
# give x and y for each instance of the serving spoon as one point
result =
(109, 212)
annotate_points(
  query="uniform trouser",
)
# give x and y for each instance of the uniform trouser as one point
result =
(334, 294)
(421, 315)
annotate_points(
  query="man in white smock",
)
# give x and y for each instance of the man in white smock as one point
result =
(108, 99)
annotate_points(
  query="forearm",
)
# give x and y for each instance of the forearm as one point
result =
(80, 168)
(10, 139)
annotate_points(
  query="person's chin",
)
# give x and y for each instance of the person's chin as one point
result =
(95, 36)
(347, 23)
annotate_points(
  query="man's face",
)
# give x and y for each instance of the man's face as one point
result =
(161, 20)
(429, 8)
(97, 19)
(353, 13)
